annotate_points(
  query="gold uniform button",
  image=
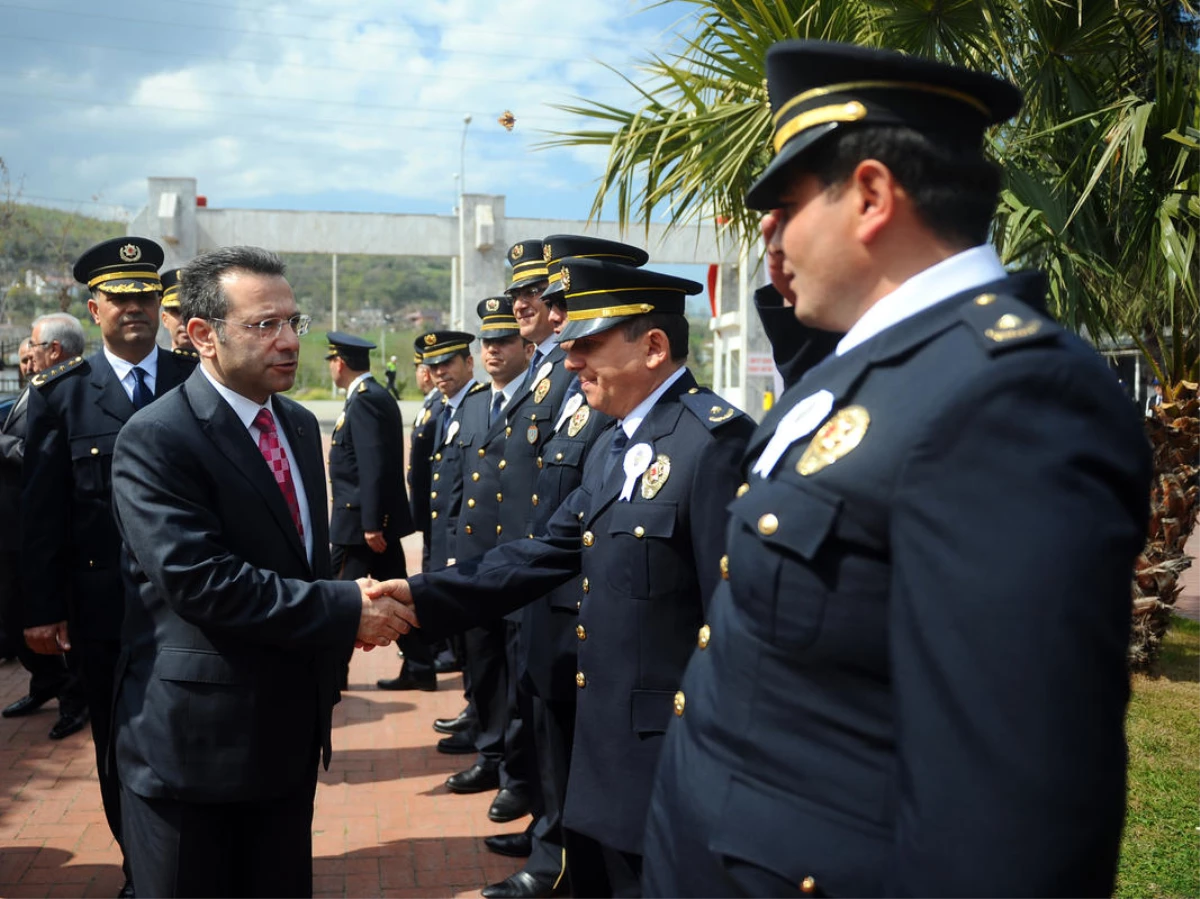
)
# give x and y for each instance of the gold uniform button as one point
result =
(437, 457)
(471, 504)
(768, 525)
(91, 563)
(468, 530)
(499, 497)
(580, 632)
(95, 450)
(499, 528)
(588, 538)
(535, 499)
(437, 477)
(743, 490)
(508, 432)
(984, 299)
(580, 680)
(482, 452)
(587, 585)
(347, 505)
(474, 476)
(558, 457)
(680, 702)
(433, 495)
(724, 568)
(639, 532)
(433, 514)
(503, 464)
(704, 636)
(578, 604)
(808, 885)
(539, 461)
(694, 390)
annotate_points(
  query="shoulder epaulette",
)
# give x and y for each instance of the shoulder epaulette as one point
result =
(185, 353)
(362, 387)
(42, 378)
(479, 385)
(1002, 322)
(710, 408)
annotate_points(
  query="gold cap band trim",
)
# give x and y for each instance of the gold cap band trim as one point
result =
(145, 277)
(881, 85)
(590, 293)
(822, 115)
(518, 272)
(510, 325)
(442, 351)
(609, 312)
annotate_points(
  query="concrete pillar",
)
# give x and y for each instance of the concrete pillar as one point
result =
(170, 218)
(484, 242)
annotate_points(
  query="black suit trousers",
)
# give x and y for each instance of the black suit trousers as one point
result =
(261, 848)
(359, 560)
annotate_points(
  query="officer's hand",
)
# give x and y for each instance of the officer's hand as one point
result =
(397, 589)
(375, 540)
(382, 620)
(48, 639)
(769, 225)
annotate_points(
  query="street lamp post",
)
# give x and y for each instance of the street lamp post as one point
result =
(457, 304)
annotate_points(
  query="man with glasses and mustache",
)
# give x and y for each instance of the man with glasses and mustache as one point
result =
(236, 633)
(72, 583)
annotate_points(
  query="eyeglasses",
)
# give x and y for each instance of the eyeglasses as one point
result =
(271, 328)
(531, 292)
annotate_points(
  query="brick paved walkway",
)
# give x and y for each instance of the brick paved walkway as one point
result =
(384, 825)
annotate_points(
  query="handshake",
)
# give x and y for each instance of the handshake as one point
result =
(387, 612)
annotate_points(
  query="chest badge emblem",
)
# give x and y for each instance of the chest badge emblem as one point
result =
(539, 392)
(834, 439)
(656, 475)
(579, 420)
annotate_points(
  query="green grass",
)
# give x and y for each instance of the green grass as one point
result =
(1160, 853)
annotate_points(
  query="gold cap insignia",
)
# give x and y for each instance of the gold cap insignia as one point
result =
(539, 392)
(131, 252)
(493, 305)
(547, 255)
(578, 420)
(655, 476)
(430, 339)
(836, 438)
(566, 278)
(516, 252)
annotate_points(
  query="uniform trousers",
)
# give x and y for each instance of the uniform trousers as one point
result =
(553, 730)
(359, 560)
(519, 760)
(258, 848)
(485, 673)
(598, 870)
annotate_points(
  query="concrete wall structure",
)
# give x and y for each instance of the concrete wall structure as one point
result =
(477, 239)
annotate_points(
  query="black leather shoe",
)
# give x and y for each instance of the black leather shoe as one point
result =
(476, 779)
(127, 891)
(68, 724)
(458, 725)
(407, 682)
(509, 805)
(517, 845)
(456, 744)
(445, 666)
(521, 885)
(26, 705)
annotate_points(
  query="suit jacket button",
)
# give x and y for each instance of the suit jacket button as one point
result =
(95, 450)
(474, 476)
(724, 568)
(768, 525)
(680, 701)
(471, 504)
(580, 632)
(580, 680)
(704, 637)
(587, 585)
(588, 538)
(808, 885)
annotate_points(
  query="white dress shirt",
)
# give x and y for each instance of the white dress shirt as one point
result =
(630, 422)
(246, 409)
(124, 371)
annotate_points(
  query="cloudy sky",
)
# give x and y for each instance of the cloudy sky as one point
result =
(313, 104)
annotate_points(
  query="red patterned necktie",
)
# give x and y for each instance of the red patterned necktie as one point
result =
(272, 450)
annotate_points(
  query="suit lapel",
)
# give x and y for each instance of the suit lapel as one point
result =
(231, 437)
(110, 395)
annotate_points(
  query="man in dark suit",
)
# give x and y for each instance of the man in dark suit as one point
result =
(912, 679)
(232, 645)
(644, 529)
(370, 508)
(55, 337)
(76, 410)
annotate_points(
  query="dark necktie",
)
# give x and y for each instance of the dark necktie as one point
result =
(141, 393)
(447, 414)
(497, 407)
(277, 460)
(620, 440)
(531, 372)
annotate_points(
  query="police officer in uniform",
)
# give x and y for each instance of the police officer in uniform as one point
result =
(370, 508)
(644, 529)
(481, 441)
(172, 321)
(912, 678)
(73, 591)
(548, 640)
